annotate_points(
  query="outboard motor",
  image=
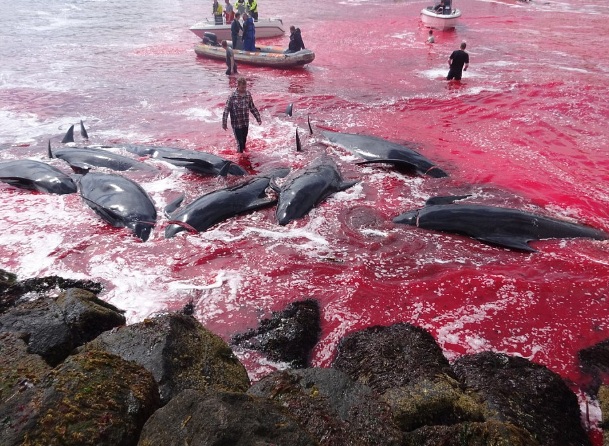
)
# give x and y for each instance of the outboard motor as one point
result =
(210, 39)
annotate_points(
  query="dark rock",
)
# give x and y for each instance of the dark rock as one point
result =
(222, 418)
(287, 336)
(20, 377)
(391, 357)
(12, 290)
(594, 361)
(179, 352)
(331, 407)
(93, 399)
(53, 327)
(405, 365)
(525, 394)
(490, 433)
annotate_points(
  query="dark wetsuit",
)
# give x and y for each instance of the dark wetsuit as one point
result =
(458, 58)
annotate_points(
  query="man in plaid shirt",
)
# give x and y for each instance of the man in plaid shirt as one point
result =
(239, 104)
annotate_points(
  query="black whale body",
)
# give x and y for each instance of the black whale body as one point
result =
(119, 201)
(510, 228)
(378, 150)
(219, 205)
(82, 159)
(307, 188)
(200, 162)
(36, 175)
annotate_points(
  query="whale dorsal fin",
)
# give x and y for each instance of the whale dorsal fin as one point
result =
(69, 136)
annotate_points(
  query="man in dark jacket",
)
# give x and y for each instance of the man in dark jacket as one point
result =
(296, 43)
(235, 29)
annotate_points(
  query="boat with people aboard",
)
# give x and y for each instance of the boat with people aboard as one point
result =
(264, 56)
(265, 28)
(442, 16)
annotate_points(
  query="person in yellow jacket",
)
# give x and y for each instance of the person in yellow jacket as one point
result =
(252, 8)
(217, 10)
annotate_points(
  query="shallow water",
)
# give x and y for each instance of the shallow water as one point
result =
(525, 128)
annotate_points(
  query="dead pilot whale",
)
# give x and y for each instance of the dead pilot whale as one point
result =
(509, 228)
(82, 159)
(36, 175)
(222, 204)
(306, 188)
(378, 150)
(119, 201)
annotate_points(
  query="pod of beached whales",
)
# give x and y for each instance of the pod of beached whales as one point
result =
(123, 203)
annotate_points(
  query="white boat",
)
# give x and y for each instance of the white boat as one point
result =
(265, 28)
(444, 19)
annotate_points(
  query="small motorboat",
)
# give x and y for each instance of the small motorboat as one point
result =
(265, 28)
(264, 56)
(441, 18)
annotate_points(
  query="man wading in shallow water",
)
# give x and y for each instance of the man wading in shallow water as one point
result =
(238, 105)
(458, 62)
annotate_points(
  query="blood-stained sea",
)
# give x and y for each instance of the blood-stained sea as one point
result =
(525, 128)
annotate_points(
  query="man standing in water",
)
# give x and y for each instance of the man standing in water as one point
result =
(239, 105)
(230, 59)
(458, 62)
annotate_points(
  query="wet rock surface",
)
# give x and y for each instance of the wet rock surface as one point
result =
(288, 335)
(179, 352)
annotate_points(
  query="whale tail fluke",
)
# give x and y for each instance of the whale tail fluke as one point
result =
(309, 122)
(83, 131)
(298, 145)
(288, 110)
(69, 136)
(49, 152)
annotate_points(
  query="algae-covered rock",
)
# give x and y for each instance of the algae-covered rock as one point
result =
(222, 418)
(330, 406)
(179, 352)
(53, 327)
(93, 399)
(490, 433)
(432, 401)
(527, 395)
(390, 357)
(20, 377)
(288, 335)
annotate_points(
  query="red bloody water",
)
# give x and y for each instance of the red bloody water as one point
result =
(526, 128)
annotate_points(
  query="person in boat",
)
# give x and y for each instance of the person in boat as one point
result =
(217, 11)
(239, 105)
(249, 33)
(431, 38)
(240, 5)
(458, 62)
(229, 13)
(439, 8)
(230, 59)
(252, 9)
(235, 30)
(296, 43)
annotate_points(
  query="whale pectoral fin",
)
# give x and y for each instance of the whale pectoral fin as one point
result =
(69, 136)
(346, 185)
(395, 162)
(512, 242)
(450, 199)
(309, 122)
(49, 152)
(288, 110)
(173, 205)
(80, 168)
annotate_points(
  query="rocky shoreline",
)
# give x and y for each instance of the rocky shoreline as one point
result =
(72, 373)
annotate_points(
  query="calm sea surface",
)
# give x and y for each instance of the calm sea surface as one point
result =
(526, 128)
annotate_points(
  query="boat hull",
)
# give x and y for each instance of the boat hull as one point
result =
(265, 28)
(440, 21)
(265, 56)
